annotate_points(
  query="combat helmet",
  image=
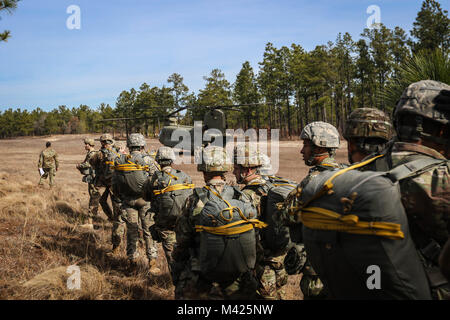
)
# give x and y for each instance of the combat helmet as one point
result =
(369, 129)
(266, 167)
(165, 154)
(89, 141)
(214, 159)
(136, 140)
(106, 137)
(423, 108)
(321, 134)
(246, 156)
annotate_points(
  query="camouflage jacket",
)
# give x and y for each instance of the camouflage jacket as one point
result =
(48, 159)
(102, 162)
(86, 163)
(425, 195)
(185, 253)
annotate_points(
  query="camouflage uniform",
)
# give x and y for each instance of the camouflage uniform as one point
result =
(425, 194)
(86, 169)
(368, 129)
(323, 135)
(164, 230)
(102, 162)
(188, 280)
(48, 161)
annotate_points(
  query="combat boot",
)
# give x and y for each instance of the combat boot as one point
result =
(153, 269)
(114, 251)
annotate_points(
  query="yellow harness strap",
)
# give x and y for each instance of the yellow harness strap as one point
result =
(173, 188)
(130, 166)
(232, 228)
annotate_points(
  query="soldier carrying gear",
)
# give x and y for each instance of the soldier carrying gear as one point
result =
(167, 190)
(215, 215)
(367, 130)
(322, 139)
(131, 171)
(48, 163)
(418, 158)
(88, 176)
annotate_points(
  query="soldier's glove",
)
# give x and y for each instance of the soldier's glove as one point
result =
(295, 259)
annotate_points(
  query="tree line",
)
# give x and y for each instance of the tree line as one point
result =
(293, 86)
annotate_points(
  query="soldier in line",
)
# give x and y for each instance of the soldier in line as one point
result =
(48, 162)
(88, 177)
(367, 130)
(167, 190)
(421, 120)
(130, 173)
(102, 162)
(320, 141)
(270, 271)
(199, 254)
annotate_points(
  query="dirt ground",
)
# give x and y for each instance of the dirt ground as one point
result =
(40, 228)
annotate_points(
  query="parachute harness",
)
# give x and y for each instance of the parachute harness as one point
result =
(236, 227)
(323, 219)
(170, 187)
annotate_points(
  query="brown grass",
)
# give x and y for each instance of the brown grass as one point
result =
(41, 233)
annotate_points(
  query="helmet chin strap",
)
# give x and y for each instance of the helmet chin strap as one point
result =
(312, 159)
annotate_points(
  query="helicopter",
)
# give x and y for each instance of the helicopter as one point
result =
(187, 137)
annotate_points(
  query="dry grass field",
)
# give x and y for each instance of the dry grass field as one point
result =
(40, 233)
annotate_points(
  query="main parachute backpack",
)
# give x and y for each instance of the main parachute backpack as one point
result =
(356, 236)
(227, 235)
(130, 174)
(171, 195)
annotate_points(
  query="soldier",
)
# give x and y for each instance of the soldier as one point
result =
(320, 141)
(130, 174)
(270, 271)
(167, 190)
(421, 120)
(88, 177)
(203, 268)
(102, 162)
(367, 130)
(48, 162)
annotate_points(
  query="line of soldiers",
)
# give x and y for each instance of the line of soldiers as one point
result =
(388, 209)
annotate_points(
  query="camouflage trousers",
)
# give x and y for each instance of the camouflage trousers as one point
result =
(168, 240)
(272, 278)
(132, 213)
(94, 199)
(192, 285)
(50, 173)
(311, 285)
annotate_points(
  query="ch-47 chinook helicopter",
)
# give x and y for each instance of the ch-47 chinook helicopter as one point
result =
(187, 137)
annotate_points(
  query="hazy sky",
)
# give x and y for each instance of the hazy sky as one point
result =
(122, 44)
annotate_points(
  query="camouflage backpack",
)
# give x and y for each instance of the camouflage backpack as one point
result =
(171, 193)
(354, 226)
(104, 169)
(227, 234)
(130, 174)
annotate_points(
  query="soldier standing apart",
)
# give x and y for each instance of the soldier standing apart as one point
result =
(212, 260)
(48, 162)
(367, 130)
(270, 271)
(421, 150)
(167, 190)
(102, 162)
(88, 176)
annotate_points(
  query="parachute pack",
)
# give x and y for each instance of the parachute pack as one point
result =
(356, 235)
(130, 174)
(227, 234)
(173, 190)
(104, 170)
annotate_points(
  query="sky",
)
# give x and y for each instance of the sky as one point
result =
(122, 44)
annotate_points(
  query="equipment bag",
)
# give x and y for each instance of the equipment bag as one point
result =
(173, 190)
(227, 235)
(356, 236)
(130, 174)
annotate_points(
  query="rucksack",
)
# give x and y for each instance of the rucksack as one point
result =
(104, 170)
(130, 174)
(173, 190)
(227, 234)
(357, 238)
(276, 236)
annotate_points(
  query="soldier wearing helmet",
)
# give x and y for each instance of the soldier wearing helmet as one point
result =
(248, 164)
(102, 162)
(418, 159)
(188, 279)
(166, 205)
(367, 130)
(88, 173)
